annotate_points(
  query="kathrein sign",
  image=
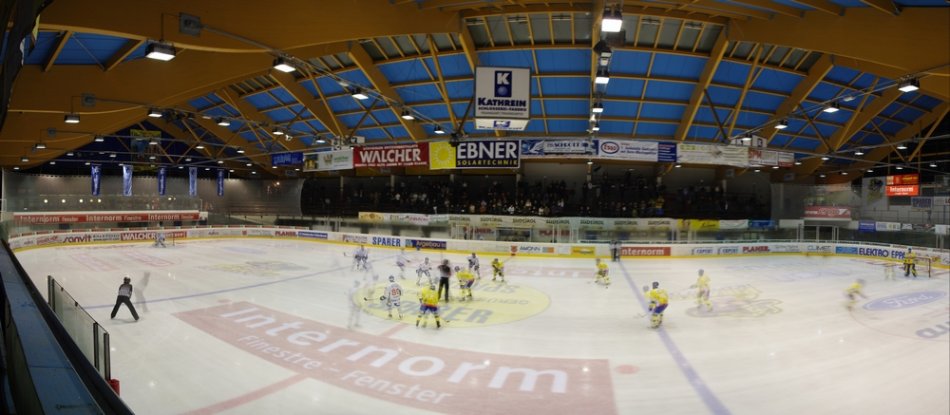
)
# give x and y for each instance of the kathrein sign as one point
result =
(502, 98)
(392, 156)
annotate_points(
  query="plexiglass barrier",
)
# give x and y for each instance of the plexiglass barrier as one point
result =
(85, 331)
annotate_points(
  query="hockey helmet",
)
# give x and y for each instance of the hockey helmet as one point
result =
(392, 278)
(701, 271)
(126, 280)
(860, 281)
(656, 284)
(457, 269)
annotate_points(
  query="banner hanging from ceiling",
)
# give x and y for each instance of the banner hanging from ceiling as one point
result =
(126, 180)
(328, 160)
(391, 156)
(713, 154)
(502, 98)
(535, 148)
(628, 150)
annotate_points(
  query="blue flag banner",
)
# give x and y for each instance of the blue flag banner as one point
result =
(162, 175)
(220, 182)
(95, 171)
(192, 181)
(126, 180)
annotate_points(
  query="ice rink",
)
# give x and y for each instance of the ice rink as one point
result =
(259, 326)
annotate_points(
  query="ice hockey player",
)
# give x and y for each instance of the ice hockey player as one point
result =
(429, 304)
(401, 261)
(910, 263)
(360, 258)
(159, 239)
(392, 296)
(659, 299)
(424, 270)
(473, 265)
(602, 272)
(125, 292)
(466, 280)
(853, 292)
(497, 270)
(702, 293)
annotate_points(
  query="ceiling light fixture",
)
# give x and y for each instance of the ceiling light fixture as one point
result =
(153, 142)
(821, 175)
(595, 127)
(933, 165)
(71, 118)
(99, 139)
(277, 131)
(240, 151)
(870, 171)
(283, 64)
(52, 163)
(824, 159)
(248, 164)
(406, 115)
(111, 155)
(909, 85)
(844, 173)
(781, 125)
(39, 146)
(200, 146)
(774, 167)
(859, 153)
(901, 147)
(439, 130)
(223, 122)
(678, 166)
(25, 159)
(321, 140)
(798, 163)
(358, 94)
(612, 22)
(16, 167)
(757, 170)
(598, 108)
(160, 51)
(151, 157)
(220, 161)
(899, 168)
(603, 77)
(154, 113)
(747, 137)
(832, 108)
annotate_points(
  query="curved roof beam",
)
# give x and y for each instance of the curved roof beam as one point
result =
(379, 81)
(715, 57)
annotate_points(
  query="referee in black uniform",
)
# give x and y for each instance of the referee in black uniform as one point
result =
(445, 272)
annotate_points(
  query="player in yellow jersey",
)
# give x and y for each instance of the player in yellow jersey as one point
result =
(909, 263)
(702, 295)
(659, 300)
(466, 280)
(429, 299)
(853, 292)
(602, 273)
(497, 270)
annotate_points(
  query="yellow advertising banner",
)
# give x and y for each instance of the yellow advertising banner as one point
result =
(441, 156)
(704, 224)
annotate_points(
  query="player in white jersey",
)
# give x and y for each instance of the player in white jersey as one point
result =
(159, 239)
(392, 295)
(360, 258)
(401, 261)
(355, 307)
(473, 266)
(424, 269)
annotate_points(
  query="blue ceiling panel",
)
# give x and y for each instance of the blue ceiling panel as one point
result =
(248, 136)
(730, 72)
(773, 80)
(805, 144)
(508, 58)
(452, 65)
(45, 42)
(791, 3)
(372, 133)
(889, 127)
(841, 74)
(655, 130)
(89, 49)
(629, 62)
(872, 140)
(317, 126)
(566, 86)
(350, 120)
(355, 77)
(283, 95)
(662, 111)
(536, 109)
(384, 114)
(628, 88)
(535, 126)
(824, 92)
(826, 130)
(908, 97)
(301, 127)
(568, 126)
(469, 128)
(892, 109)
(840, 117)
(927, 102)
(329, 86)
(864, 81)
(704, 114)
(677, 66)
(566, 107)
(749, 120)
(563, 60)
(722, 97)
(615, 127)
(462, 89)
(909, 114)
(398, 132)
(404, 71)
(434, 111)
(669, 90)
(261, 100)
(460, 109)
(343, 103)
(779, 140)
(200, 103)
(762, 102)
(625, 109)
(419, 93)
(281, 115)
(704, 133)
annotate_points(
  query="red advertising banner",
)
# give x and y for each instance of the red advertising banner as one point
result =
(392, 156)
(645, 251)
(104, 217)
(905, 190)
(903, 179)
(827, 212)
